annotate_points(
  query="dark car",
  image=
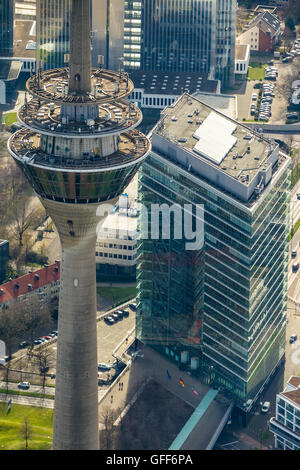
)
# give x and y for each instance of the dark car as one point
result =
(23, 344)
(109, 320)
(132, 306)
(37, 341)
(126, 313)
(120, 314)
(115, 316)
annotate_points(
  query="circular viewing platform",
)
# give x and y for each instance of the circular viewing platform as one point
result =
(24, 145)
(106, 85)
(113, 118)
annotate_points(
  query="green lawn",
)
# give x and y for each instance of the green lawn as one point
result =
(10, 118)
(256, 71)
(40, 419)
(117, 295)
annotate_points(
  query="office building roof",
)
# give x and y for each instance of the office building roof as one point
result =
(228, 154)
(172, 83)
(24, 39)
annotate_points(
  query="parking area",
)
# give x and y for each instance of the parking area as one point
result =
(278, 75)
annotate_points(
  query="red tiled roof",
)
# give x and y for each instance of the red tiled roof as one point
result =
(37, 279)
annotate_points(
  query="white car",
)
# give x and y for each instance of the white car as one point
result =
(24, 385)
(266, 406)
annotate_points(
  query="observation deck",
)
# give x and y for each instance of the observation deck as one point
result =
(45, 117)
(25, 146)
(53, 86)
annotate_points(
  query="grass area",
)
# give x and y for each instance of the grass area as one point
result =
(256, 71)
(26, 394)
(294, 230)
(117, 295)
(40, 420)
(10, 118)
(266, 436)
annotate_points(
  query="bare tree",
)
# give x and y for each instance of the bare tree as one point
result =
(44, 360)
(26, 431)
(108, 433)
(35, 313)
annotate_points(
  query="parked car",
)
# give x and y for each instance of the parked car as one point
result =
(24, 385)
(298, 195)
(126, 313)
(266, 406)
(120, 314)
(23, 344)
(109, 320)
(55, 332)
(295, 267)
(115, 316)
(294, 253)
(254, 96)
(293, 338)
(132, 306)
(103, 366)
(37, 341)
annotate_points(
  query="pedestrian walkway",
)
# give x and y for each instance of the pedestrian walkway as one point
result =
(193, 420)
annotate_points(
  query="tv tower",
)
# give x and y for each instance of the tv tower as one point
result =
(79, 150)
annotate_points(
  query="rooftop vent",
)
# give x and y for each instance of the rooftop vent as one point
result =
(16, 286)
(29, 286)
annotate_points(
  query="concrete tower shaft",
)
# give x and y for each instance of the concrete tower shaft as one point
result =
(80, 48)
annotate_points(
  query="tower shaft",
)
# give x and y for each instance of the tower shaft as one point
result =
(76, 395)
(80, 48)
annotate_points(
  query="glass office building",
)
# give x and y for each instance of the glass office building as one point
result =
(220, 310)
(52, 32)
(132, 34)
(6, 27)
(190, 36)
(107, 32)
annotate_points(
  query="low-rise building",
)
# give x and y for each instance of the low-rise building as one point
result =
(116, 244)
(157, 90)
(44, 283)
(262, 34)
(242, 58)
(286, 424)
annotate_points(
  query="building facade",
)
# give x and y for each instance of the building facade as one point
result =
(53, 32)
(108, 32)
(43, 283)
(4, 257)
(190, 36)
(6, 27)
(116, 244)
(286, 424)
(132, 34)
(222, 307)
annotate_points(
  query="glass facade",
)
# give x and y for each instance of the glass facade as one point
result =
(53, 30)
(190, 36)
(78, 187)
(177, 35)
(234, 288)
(6, 27)
(132, 34)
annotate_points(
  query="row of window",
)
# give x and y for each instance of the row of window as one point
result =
(115, 256)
